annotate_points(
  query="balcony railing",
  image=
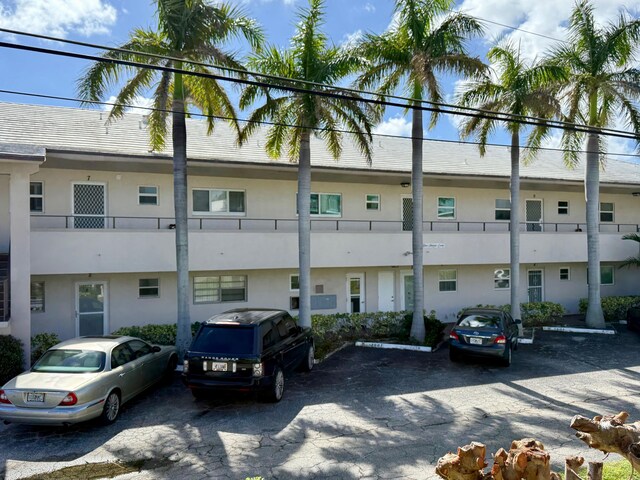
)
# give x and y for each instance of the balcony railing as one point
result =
(229, 224)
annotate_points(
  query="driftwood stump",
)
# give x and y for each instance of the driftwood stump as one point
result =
(609, 434)
(526, 459)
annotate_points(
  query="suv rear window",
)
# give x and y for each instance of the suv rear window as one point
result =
(481, 321)
(225, 340)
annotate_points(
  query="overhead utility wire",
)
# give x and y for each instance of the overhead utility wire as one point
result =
(264, 122)
(496, 115)
(490, 115)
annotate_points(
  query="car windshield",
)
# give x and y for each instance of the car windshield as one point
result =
(70, 361)
(227, 340)
(480, 321)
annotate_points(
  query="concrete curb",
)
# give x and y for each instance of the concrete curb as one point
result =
(579, 330)
(416, 348)
(317, 361)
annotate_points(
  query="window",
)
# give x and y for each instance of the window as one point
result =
(503, 209)
(147, 195)
(606, 212)
(220, 202)
(373, 201)
(37, 296)
(294, 282)
(36, 197)
(148, 287)
(328, 204)
(501, 278)
(120, 356)
(563, 208)
(565, 273)
(606, 274)
(219, 289)
(446, 207)
(448, 280)
(139, 348)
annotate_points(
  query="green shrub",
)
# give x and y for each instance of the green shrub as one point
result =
(11, 358)
(433, 329)
(614, 308)
(40, 343)
(534, 314)
(157, 334)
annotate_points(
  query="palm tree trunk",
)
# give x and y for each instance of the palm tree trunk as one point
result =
(595, 317)
(514, 229)
(417, 326)
(183, 334)
(304, 229)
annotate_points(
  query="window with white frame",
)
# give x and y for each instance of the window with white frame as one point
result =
(501, 278)
(218, 201)
(606, 212)
(36, 197)
(325, 204)
(220, 289)
(448, 280)
(607, 275)
(446, 207)
(565, 273)
(563, 207)
(148, 287)
(373, 201)
(503, 209)
(37, 297)
(147, 195)
(294, 282)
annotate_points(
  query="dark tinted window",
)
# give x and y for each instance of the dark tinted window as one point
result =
(481, 321)
(139, 348)
(120, 355)
(224, 339)
(290, 325)
(269, 335)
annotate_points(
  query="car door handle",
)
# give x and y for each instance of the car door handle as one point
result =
(123, 374)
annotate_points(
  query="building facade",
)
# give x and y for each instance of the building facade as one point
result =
(86, 226)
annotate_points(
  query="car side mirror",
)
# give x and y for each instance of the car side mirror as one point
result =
(518, 321)
(156, 349)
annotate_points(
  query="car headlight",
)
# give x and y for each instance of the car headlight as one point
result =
(258, 369)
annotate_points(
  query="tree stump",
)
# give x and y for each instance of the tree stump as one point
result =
(571, 466)
(467, 464)
(609, 434)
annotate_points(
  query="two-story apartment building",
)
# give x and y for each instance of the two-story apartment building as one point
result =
(86, 217)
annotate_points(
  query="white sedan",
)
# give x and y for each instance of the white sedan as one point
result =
(85, 378)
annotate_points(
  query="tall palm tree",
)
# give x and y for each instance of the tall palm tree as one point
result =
(602, 81)
(519, 89)
(298, 115)
(422, 42)
(187, 30)
(632, 261)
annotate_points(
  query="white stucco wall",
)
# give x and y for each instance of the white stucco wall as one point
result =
(5, 232)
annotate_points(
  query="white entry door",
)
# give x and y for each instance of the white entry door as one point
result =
(533, 214)
(91, 308)
(535, 283)
(89, 205)
(386, 297)
(355, 293)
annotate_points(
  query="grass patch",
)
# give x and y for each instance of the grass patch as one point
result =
(94, 471)
(618, 470)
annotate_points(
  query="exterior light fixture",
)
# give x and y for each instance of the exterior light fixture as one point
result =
(407, 184)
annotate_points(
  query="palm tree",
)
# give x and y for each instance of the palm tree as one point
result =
(516, 88)
(187, 30)
(421, 43)
(601, 82)
(632, 261)
(298, 115)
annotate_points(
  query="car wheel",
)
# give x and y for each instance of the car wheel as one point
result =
(276, 391)
(111, 408)
(506, 361)
(171, 369)
(307, 363)
(199, 394)
(453, 355)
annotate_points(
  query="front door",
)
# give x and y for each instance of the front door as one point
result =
(535, 285)
(386, 297)
(89, 205)
(533, 213)
(91, 309)
(407, 214)
(355, 293)
(407, 291)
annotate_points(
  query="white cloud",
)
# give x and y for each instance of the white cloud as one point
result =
(369, 7)
(350, 39)
(58, 17)
(138, 101)
(397, 126)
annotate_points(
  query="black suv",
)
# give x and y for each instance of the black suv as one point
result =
(247, 349)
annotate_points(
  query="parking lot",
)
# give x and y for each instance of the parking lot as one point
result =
(363, 413)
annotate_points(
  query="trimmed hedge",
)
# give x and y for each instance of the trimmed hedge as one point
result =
(11, 358)
(40, 343)
(157, 334)
(534, 314)
(614, 308)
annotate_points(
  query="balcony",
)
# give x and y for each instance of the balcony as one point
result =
(134, 244)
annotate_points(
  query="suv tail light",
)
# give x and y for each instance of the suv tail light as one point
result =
(258, 369)
(454, 336)
(70, 399)
(185, 366)
(500, 339)
(3, 398)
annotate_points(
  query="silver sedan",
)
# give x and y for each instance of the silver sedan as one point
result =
(84, 378)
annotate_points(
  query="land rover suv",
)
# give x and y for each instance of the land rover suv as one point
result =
(247, 350)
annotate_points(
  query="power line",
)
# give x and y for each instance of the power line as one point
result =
(510, 27)
(454, 110)
(436, 106)
(263, 122)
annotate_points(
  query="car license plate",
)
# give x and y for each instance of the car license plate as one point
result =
(35, 397)
(475, 341)
(214, 366)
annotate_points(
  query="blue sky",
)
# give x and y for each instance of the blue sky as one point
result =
(109, 21)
